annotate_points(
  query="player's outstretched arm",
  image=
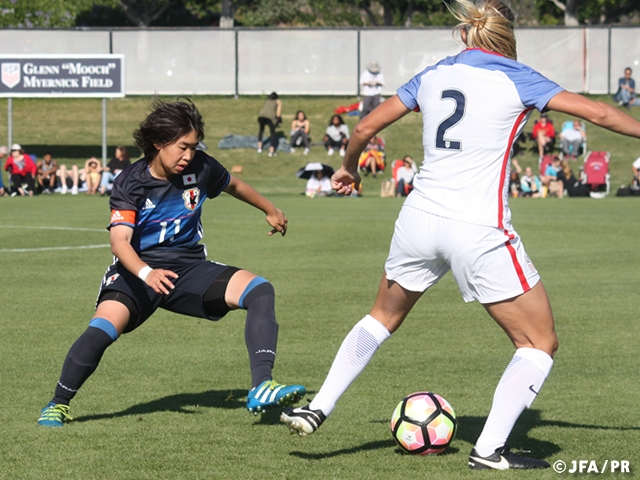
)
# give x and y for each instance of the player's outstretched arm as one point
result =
(381, 117)
(598, 113)
(245, 192)
(157, 278)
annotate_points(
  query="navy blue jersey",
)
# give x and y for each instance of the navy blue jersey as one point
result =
(165, 214)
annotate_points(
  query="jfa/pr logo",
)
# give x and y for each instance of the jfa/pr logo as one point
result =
(593, 466)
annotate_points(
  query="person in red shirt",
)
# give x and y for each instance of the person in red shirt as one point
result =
(543, 133)
(22, 170)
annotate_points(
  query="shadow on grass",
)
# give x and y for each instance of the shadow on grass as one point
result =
(469, 429)
(345, 451)
(180, 403)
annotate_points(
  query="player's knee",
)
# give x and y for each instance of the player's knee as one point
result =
(106, 326)
(259, 287)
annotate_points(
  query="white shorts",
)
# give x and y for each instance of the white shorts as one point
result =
(489, 264)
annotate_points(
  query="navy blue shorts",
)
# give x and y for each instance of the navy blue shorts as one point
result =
(186, 298)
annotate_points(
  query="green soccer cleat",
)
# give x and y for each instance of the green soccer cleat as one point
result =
(54, 414)
(270, 394)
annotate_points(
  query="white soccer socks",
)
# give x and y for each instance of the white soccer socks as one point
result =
(354, 354)
(517, 389)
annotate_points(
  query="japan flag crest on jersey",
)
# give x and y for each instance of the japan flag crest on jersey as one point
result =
(191, 197)
(189, 179)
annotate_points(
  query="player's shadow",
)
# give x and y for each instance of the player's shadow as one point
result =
(469, 429)
(180, 403)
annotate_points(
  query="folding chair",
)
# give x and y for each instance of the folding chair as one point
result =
(595, 173)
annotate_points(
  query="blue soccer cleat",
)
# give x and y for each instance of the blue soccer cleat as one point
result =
(270, 394)
(54, 414)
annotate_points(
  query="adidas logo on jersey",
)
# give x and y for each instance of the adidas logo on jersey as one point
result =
(148, 205)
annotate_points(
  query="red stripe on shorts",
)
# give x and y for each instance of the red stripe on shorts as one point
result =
(503, 170)
(516, 264)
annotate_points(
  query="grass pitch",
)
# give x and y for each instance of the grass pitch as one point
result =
(168, 399)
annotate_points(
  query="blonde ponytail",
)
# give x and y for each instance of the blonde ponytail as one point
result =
(486, 24)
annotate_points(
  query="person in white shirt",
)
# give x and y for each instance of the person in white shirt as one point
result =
(318, 185)
(336, 135)
(404, 176)
(571, 139)
(473, 106)
(371, 81)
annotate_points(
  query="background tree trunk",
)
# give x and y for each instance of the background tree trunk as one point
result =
(227, 14)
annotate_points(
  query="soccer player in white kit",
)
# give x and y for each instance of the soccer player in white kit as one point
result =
(474, 105)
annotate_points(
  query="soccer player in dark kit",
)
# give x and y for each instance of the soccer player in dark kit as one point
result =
(155, 229)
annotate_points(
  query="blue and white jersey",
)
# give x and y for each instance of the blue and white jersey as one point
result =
(474, 105)
(165, 214)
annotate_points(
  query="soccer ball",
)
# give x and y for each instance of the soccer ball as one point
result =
(424, 423)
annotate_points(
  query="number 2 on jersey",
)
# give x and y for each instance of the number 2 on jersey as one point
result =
(460, 100)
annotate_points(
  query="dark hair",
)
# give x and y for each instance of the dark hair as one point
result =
(47, 153)
(166, 124)
(338, 117)
(123, 149)
(273, 96)
(301, 112)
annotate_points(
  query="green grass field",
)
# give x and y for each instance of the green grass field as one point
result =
(168, 399)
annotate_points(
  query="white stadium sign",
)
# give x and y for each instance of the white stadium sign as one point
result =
(62, 76)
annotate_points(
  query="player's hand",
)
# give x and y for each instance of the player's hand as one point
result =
(343, 181)
(160, 280)
(278, 221)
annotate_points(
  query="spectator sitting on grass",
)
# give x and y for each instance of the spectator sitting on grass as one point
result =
(22, 171)
(92, 169)
(530, 184)
(113, 169)
(3, 153)
(46, 175)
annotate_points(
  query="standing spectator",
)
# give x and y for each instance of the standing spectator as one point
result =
(22, 171)
(530, 184)
(544, 134)
(271, 116)
(336, 135)
(113, 169)
(571, 139)
(371, 81)
(300, 128)
(3, 153)
(626, 94)
(46, 175)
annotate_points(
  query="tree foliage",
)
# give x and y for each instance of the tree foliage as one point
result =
(313, 13)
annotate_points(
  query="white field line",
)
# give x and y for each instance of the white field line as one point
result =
(47, 249)
(72, 229)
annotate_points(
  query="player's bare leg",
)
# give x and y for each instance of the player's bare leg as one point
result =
(393, 304)
(528, 321)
